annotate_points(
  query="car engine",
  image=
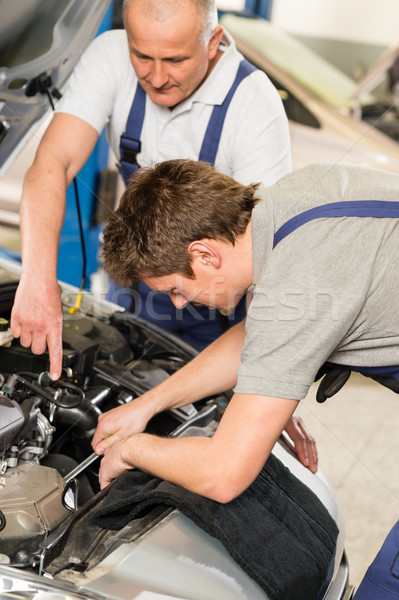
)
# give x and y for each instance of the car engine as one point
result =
(48, 471)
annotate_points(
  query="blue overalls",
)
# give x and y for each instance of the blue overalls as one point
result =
(198, 325)
(381, 581)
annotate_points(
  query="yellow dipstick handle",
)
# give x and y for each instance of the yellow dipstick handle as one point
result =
(78, 300)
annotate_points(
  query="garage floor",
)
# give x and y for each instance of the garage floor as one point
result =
(358, 443)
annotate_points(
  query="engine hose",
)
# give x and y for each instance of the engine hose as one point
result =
(43, 388)
(84, 417)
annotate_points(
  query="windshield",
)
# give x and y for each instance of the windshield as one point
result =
(324, 80)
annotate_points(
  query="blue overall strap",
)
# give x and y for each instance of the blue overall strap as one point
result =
(213, 132)
(336, 375)
(378, 209)
(387, 376)
(204, 326)
(130, 144)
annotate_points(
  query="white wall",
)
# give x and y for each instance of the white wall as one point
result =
(230, 4)
(374, 22)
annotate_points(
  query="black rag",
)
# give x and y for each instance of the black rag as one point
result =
(277, 530)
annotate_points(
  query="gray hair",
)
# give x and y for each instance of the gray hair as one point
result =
(206, 9)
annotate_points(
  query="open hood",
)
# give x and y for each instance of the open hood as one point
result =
(39, 47)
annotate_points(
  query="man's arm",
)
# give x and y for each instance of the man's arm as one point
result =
(219, 468)
(37, 314)
(213, 371)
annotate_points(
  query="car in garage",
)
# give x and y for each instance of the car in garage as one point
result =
(331, 116)
(50, 547)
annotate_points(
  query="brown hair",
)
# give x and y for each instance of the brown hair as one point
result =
(163, 210)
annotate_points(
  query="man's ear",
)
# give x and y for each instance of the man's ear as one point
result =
(205, 252)
(214, 42)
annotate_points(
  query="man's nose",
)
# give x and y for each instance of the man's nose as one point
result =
(159, 75)
(179, 301)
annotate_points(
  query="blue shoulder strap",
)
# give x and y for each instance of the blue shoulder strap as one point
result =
(382, 374)
(213, 132)
(378, 209)
(130, 144)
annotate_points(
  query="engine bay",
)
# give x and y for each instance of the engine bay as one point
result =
(48, 472)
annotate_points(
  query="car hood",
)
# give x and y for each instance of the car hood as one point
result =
(39, 48)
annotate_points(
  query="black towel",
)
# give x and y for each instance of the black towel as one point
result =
(277, 530)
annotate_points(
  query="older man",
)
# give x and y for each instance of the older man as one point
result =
(171, 85)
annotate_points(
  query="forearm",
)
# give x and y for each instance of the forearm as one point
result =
(36, 316)
(65, 147)
(184, 461)
(220, 467)
(212, 467)
(211, 372)
(42, 215)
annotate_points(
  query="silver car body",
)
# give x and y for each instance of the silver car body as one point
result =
(318, 97)
(165, 557)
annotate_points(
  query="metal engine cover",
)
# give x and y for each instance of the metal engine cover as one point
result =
(31, 506)
(11, 421)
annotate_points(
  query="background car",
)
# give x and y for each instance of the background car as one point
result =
(331, 117)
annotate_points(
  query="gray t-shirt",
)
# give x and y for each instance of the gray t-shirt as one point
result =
(327, 291)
